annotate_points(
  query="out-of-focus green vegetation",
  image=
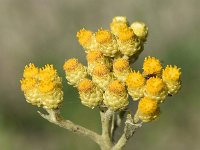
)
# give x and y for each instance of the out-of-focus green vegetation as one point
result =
(44, 31)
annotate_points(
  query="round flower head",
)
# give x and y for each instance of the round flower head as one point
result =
(90, 95)
(140, 29)
(156, 89)
(86, 39)
(96, 57)
(126, 34)
(106, 42)
(128, 42)
(50, 87)
(118, 23)
(148, 109)
(115, 96)
(29, 84)
(151, 66)
(101, 76)
(135, 82)
(121, 69)
(100, 70)
(74, 71)
(103, 36)
(71, 65)
(171, 76)
(85, 86)
(30, 71)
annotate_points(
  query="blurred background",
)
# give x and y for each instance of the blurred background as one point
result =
(44, 31)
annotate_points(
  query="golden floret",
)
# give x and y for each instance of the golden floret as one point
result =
(28, 84)
(30, 71)
(47, 72)
(100, 70)
(118, 23)
(116, 87)
(46, 86)
(103, 36)
(152, 66)
(84, 36)
(147, 106)
(70, 64)
(135, 80)
(154, 85)
(93, 56)
(121, 64)
(125, 34)
(171, 73)
(85, 86)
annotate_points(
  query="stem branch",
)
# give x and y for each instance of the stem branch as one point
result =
(55, 117)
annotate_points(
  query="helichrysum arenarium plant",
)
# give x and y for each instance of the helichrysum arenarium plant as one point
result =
(107, 83)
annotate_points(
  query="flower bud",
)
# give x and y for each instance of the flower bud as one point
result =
(29, 84)
(75, 71)
(128, 42)
(171, 76)
(96, 57)
(90, 95)
(118, 23)
(121, 69)
(86, 39)
(152, 66)
(115, 96)
(140, 29)
(135, 82)
(106, 42)
(155, 88)
(101, 76)
(148, 110)
(50, 87)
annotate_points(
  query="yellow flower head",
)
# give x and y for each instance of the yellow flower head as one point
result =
(155, 85)
(135, 80)
(85, 86)
(93, 56)
(116, 87)
(152, 66)
(30, 71)
(171, 73)
(28, 84)
(125, 34)
(121, 64)
(46, 86)
(147, 106)
(70, 64)
(47, 73)
(103, 36)
(84, 37)
(100, 70)
(118, 23)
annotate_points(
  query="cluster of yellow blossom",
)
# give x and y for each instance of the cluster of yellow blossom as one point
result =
(42, 87)
(108, 79)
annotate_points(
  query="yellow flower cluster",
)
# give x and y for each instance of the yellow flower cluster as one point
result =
(42, 87)
(121, 40)
(108, 79)
(109, 54)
